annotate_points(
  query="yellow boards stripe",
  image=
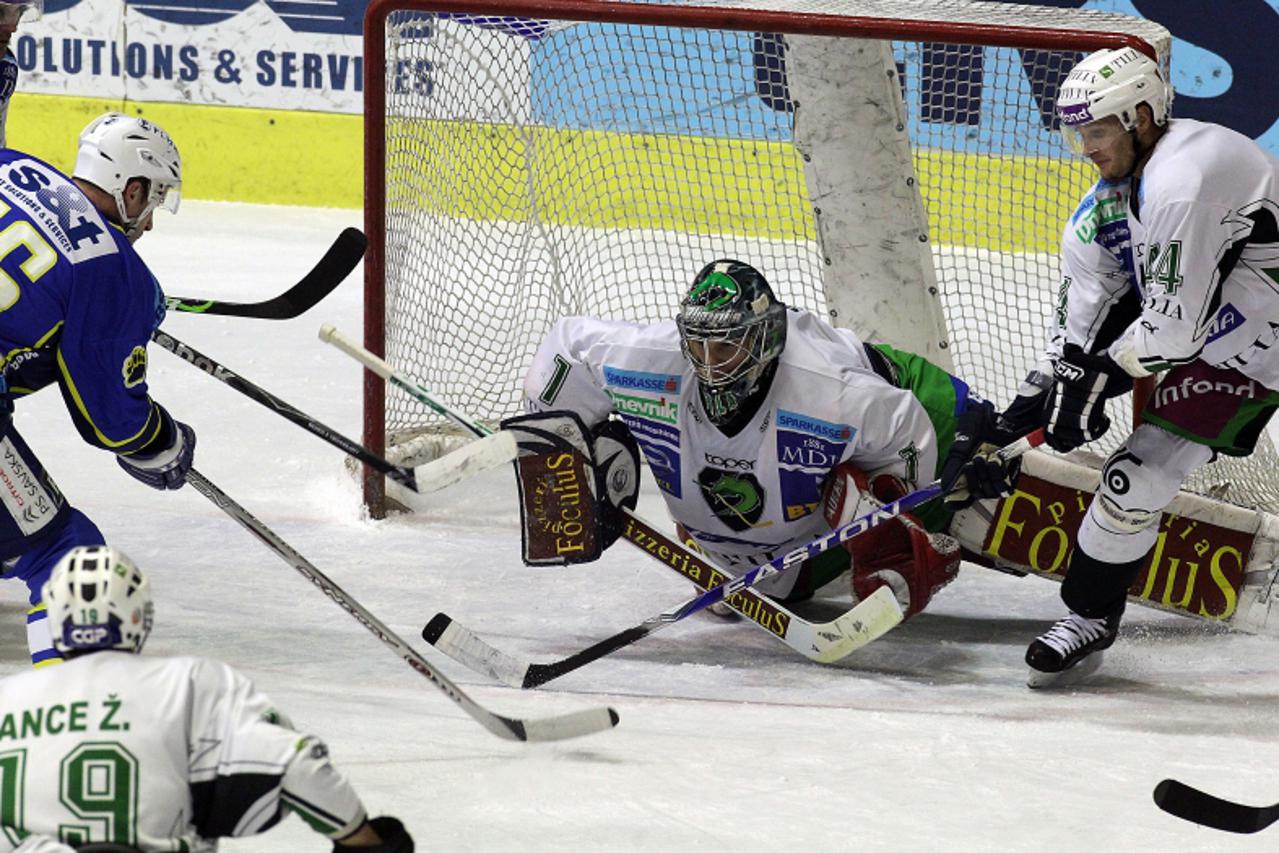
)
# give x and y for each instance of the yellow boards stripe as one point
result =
(486, 171)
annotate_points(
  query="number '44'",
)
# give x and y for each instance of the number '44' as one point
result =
(1163, 266)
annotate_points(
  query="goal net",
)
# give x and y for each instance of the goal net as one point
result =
(893, 166)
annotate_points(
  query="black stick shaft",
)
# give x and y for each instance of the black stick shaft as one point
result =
(199, 360)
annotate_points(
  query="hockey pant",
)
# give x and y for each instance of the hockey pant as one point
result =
(37, 527)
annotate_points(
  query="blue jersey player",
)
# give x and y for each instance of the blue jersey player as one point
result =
(77, 308)
(10, 14)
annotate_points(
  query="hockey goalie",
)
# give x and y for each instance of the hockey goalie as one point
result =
(763, 428)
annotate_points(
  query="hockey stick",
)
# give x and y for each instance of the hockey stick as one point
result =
(559, 727)
(871, 618)
(1187, 803)
(342, 257)
(474, 457)
(823, 642)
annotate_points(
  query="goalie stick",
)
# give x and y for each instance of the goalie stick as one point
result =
(870, 619)
(468, 460)
(559, 727)
(1187, 803)
(342, 257)
(823, 642)
(838, 536)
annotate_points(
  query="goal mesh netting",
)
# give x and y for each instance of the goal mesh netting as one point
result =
(533, 168)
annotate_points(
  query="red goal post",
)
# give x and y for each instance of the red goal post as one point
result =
(448, 102)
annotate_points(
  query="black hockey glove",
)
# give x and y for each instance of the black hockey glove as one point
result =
(969, 474)
(165, 469)
(395, 838)
(1077, 402)
(1028, 410)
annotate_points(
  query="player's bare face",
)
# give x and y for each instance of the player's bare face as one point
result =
(1109, 147)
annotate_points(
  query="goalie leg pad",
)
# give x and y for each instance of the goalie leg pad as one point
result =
(901, 554)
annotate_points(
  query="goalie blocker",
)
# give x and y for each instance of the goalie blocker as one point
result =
(573, 485)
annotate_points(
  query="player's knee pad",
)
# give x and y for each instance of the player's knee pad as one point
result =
(1138, 480)
(899, 553)
(1142, 476)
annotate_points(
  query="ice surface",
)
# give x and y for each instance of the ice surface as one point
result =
(927, 740)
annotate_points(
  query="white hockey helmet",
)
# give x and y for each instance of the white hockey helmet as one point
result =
(98, 599)
(1112, 83)
(116, 148)
(21, 11)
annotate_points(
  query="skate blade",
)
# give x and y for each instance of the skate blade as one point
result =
(1047, 680)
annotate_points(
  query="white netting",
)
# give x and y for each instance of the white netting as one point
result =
(537, 169)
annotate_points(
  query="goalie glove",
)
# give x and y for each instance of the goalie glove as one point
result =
(617, 472)
(900, 553)
(573, 485)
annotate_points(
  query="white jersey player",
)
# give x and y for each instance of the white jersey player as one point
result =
(747, 413)
(1170, 266)
(153, 753)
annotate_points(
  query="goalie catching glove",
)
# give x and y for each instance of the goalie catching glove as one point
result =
(574, 484)
(900, 553)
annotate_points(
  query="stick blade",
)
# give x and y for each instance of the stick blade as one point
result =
(572, 725)
(467, 648)
(331, 270)
(1187, 803)
(872, 618)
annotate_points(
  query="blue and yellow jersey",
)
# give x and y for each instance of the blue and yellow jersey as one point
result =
(77, 307)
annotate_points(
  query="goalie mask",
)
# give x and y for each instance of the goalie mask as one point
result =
(115, 149)
(1111, 83)
(732, 329)
(97, 599)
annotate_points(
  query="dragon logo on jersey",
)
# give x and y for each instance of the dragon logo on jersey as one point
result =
(736, 499)
(135, 368)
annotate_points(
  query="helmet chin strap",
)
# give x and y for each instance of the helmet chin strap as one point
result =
(133, 228)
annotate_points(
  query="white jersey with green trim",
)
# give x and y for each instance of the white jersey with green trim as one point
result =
(1098, 286)
(1205, 244)
(156, 753)
(748, 497)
